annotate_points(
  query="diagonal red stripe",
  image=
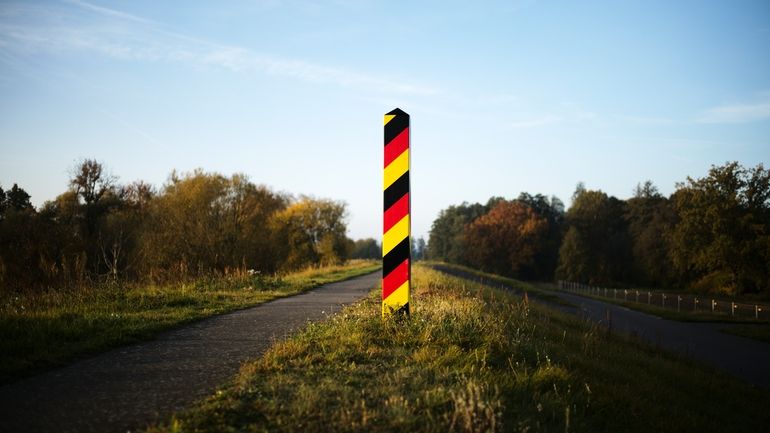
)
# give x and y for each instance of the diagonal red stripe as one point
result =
(396, 147)
(395, 279)
(395, 213)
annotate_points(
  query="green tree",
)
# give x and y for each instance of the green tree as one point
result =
(63, 255)
(16, 199)
(597, 229)
(722, 239)
(18, 239)
(367, 248)
(574, 257)
(418, 248)
(651, 220)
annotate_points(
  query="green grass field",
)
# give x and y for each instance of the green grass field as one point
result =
(471, 359)
(38, 332)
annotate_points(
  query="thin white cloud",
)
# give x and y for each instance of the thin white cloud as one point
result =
(243, 60)
(737, 113)
(125, 36)
(131, 127)
(561, 113)
(643, 120)
(109, 12)
(535, 122)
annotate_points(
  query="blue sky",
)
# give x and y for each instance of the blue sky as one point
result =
(505, 97)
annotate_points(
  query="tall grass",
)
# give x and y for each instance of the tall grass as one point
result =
(470, 359)
(42, 330)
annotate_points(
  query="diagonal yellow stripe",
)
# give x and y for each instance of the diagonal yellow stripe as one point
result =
(396, 300)
(396, 234)
(396, 168)
(389, 117)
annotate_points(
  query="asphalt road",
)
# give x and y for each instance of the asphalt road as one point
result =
(129, 388)
(742, 357)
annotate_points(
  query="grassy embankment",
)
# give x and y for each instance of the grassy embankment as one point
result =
(536, 290)
(41, 331)
(742, 326)
(471, 358)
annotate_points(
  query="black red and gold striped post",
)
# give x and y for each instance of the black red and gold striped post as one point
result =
(396, 247)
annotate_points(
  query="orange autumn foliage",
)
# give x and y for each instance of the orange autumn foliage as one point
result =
(507, 239)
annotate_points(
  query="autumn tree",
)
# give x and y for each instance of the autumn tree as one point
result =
(447, 234)
(250, 236)
(96, 193)
(95, 187)
(205, 222)
(312, 231)
(507, 239)
(120, 230)
(197, 224)
(547, 256)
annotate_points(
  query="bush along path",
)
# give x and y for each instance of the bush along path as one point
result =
(39, 331)
(131, 387)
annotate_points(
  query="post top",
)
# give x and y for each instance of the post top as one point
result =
(397, 112)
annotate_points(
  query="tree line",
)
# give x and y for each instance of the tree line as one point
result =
(196, 224)
(712, 234)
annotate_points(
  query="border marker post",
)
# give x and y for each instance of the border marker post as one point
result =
(396, 232)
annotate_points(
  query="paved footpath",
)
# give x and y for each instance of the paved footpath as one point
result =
(128, 388)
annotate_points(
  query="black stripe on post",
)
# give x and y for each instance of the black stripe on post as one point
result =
(396, 256)
(395, 191)
(396, 125)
